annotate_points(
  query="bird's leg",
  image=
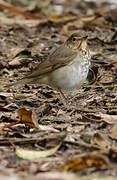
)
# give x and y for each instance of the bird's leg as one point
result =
(68, 105)
(63, 98)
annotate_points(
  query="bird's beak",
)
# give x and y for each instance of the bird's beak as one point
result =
(83, 41)
(85, 37)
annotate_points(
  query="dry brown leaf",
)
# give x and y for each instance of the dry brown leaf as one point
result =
(102, 10)
(87, 160)
(8, 21)
(16, 11)
(63, 19)
(114, 148)
(88, 19)
(75, 24)
(37, 125)
(30, 118)
(110, 119)
(25, 117)
(19, 56)
(114, 58)
(55, 175)
(100, 22)
(113, 152)
(78, 23)
(115, 65)
(100, 140)
(113, 133)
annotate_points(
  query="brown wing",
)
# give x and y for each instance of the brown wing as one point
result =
(60, 57)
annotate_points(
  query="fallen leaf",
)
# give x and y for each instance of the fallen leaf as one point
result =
(88, 19)
(47, 128)
(41, 127)
(55, 175)
(9, 21)
(100, 140)
(78, 23)
(113, 153)
(113, 132)
(114, 58)
(114, 148)
(17, 11)
(19, 56)
(25, 117)
(30, 118)
(110, 119)
(87, 160)
(32, 155)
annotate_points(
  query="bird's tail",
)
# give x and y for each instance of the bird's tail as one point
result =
(20, 82)
(31, 80)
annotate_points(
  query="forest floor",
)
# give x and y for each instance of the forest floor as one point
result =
(74, 143)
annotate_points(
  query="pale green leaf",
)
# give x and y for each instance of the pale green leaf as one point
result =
(32, 155)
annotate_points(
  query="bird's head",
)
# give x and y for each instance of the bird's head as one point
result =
(77, 42)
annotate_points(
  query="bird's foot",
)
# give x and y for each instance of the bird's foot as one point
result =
(70, 106)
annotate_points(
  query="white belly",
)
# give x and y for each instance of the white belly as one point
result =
(71, 76)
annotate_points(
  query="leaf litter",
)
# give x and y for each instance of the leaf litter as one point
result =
(29, 30)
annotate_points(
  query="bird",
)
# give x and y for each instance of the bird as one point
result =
(65, 69)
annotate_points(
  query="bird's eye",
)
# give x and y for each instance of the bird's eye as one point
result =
(73, 39)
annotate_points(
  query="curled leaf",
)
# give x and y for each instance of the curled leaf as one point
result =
(30, 118)
(25, 117)
(32, 155)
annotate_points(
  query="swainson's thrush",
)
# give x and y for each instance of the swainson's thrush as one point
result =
(65, 69)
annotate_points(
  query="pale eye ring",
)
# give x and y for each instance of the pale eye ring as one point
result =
(73, 39)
